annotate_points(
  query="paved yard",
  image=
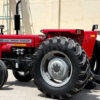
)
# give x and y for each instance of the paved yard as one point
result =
(15, 90)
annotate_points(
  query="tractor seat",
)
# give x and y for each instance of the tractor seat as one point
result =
(1, 28)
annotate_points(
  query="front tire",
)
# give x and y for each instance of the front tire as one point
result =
(3, 74)
(61, 67)
(22, 76)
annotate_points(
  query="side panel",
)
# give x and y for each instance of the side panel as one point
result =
(17, 40)
(89, 42)
(9, 41)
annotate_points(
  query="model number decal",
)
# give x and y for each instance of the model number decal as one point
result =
(16, 40)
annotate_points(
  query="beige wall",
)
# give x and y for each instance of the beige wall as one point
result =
(43, 14)
(40, 14)
(80, 13)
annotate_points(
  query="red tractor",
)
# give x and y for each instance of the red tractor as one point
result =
(61, 61)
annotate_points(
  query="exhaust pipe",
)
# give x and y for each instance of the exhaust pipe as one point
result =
(17, 7)
(17, 18)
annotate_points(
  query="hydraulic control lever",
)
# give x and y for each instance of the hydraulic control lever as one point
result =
(1, 28)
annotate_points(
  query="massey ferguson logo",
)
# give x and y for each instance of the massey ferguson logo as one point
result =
(16, 40)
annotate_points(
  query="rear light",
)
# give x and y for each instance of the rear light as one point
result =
(78, 31)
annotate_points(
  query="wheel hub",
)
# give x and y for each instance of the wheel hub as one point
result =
(58, 68)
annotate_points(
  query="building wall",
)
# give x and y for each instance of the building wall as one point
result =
(80, 13)
(41, 14)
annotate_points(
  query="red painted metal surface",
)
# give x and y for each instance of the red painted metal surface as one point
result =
(6, 46)
(85, 38)
(50, 31)
(18, 37)
(89, 42)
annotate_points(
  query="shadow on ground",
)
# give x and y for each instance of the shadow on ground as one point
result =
(84, 95)
(8, 85)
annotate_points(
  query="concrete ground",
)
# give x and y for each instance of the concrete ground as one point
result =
(15, 90)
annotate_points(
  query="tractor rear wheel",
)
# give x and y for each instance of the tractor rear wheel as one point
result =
(22, 76)
(95, 61)
(3, 73)
(60, 67)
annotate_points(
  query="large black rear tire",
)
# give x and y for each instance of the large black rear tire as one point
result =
(3, 74)
(95, 61)
(79, 61)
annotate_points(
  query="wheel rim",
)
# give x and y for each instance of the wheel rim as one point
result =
(56, 68)
(95, 66)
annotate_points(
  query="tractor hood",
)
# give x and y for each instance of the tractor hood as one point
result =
(58, 31)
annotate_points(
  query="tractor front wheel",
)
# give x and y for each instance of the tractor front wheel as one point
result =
(22, 76)
(60, 67)
(3, 73)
